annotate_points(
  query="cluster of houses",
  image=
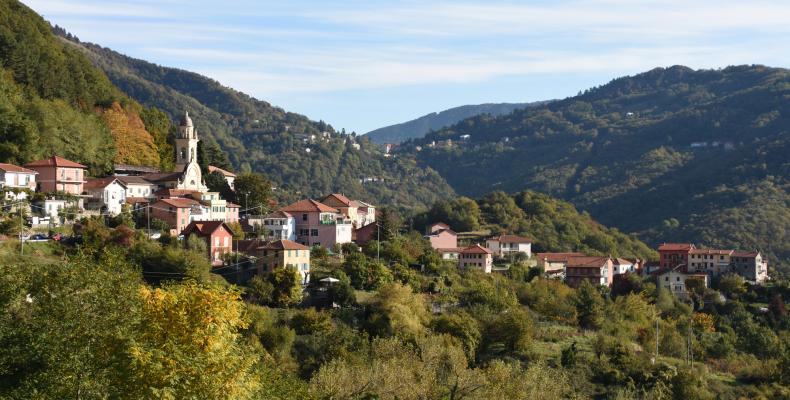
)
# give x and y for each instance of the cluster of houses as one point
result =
(678, 262)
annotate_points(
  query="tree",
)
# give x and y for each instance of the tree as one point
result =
(389, 224)
(216, 182)
(189, 345)
(286, 284)
(732, 285)
(396, 311)
(254, 190)
(589, 306)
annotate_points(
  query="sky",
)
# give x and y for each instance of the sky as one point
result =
(361, 65)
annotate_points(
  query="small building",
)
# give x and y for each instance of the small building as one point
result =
(366, 213)
(218, 237)
(53, 207)
(476, 257)
(284, 253)
(366, 233)
(553, 264)
(673, 254)
(752, 266)
(623, 265)
(505, 245)
(232, 212)
(57, 174)
(137, 186)
(279, 225)
(176, 212)
(230, 177)
(712, 262)
(674, 280)
(109, 192)
(452, 253)
(596, 270)
(441, 236)
(17, 181)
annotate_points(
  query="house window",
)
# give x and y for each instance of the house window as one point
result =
(314, 232)
(304, 217)
(304, 232)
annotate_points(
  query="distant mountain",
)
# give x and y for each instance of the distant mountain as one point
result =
(673, 154)
(303, 157)
(417, 128)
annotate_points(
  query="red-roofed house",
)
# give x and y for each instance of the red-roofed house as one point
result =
(553, 264)
(673, 254)
(109, 193)
(476, 257)
(441, 236)
(17, 179)
(283, 253)
(57, 174)
(218, 237)
(596, 270)
(504, 245)
(176, 212)
(319, 224)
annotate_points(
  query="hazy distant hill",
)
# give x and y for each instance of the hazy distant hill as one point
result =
(303, 157)
(417, 128)
(674, 153)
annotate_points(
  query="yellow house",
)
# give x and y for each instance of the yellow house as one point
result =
(283, 253)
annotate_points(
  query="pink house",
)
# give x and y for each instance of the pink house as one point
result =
(57, 174)
(176, 212)
(441, 236)
(17, 179)
(317, 224)
(232, 212)
(476, 257)
(218, 237)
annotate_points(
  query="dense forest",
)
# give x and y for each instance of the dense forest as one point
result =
(53, 101)
(419, 127)
(671, 154)
(302, 157)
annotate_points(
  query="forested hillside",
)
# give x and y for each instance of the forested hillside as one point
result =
(301, 156)
(673, 154)
(53, 101)
(417, 128)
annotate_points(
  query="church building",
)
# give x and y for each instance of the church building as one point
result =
(187, 175)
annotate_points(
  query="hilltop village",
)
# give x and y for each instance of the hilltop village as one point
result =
(55, 191)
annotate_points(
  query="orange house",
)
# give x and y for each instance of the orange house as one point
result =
(218, 237)
(176, 212)
(57, 174)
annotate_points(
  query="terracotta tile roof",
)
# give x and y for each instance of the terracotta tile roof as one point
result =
(134, 180)
(442, 230)
(340, 198)
(15, 168)
(180, 203)
(204, 228)
(587, 261)
(450, 250)
(476, 249)
(232, 205)
(278, 214)
(675, 247)
(309, 205)
(439, 225)
(712, 251)
(98, 183)
(284, 245)
(134, 200)
(557, 257)
(511, 239)
(622, 261)
(55, 161)
(751, 254)
(247, 246)
(212, 168)
(165, 192)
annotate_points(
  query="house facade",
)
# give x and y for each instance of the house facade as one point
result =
(505, 245)
(284, 253)
(441, 236)
(57, 174)
(17, 181)
(476, 257)
(230, 177)
(318, 224)
(176, 212)
(137, 187)
(279, 225)
(109, 193)
(674, 280)
(596, 270)
(712, 262)
(217, 235)
(673, 254)
(750, 265)
(553, 264)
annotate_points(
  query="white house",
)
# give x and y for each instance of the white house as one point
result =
(137, 187)
(505, 245)
(52, 207)
(621, 266)
(109, 191)
(675, 281)
(279, 225)
(17, 179)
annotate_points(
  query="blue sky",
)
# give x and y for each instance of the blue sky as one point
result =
(361, 65)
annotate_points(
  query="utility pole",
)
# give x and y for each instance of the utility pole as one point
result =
(21, 240)
(656, 359)
(378, 243)
(148, 216)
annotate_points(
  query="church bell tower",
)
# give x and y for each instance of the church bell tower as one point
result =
(186, 143)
